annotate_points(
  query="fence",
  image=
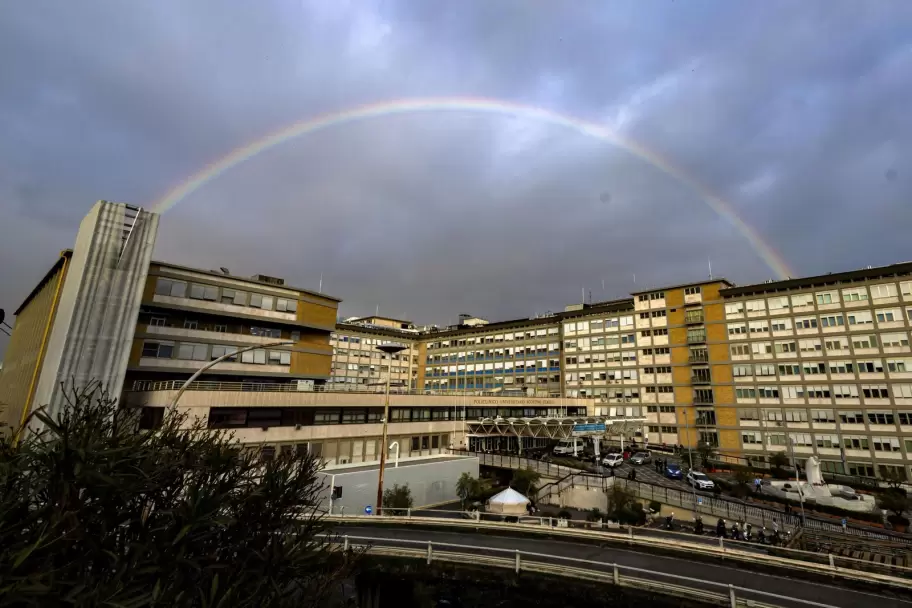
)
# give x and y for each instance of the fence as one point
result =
(592, 570)
(727, 508)
(606, 531)
(291, 387)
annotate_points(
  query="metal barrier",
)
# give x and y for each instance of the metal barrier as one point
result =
(519, 561)
(727, 508)
(586, 530)
(289, 387)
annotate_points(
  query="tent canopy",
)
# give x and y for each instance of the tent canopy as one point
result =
(508, 501)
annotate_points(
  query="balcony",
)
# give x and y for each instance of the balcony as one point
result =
(696, 337)
(703, 397)
(701, 378)
(698, 356)
(693, 317)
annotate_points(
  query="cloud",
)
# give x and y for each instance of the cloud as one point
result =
(437, 214)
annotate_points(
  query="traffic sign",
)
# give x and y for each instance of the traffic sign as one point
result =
(368, 510)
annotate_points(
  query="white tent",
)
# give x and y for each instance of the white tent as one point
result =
(509, 502)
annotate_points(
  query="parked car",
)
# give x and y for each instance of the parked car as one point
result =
(640, 458)
(673, 471)
(566, 447)
(700, 481)
(613, 460)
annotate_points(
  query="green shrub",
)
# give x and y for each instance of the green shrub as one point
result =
(564, 514)
(655, 506)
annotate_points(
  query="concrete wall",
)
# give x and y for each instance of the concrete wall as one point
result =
(431, 483)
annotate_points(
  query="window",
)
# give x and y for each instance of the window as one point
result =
(762, 348)
(827, 441)
(884, 290)
(789, 369)
(854, 294)
(157, 322)
(657, 314)
(757, 327)
(875, 391)
(690, 291)
(169, 287)
(768, 392)
(881, 418)
(806, 323)
(778, 303)
(802, 299)
(733, 309)
(660, 332)
(827, 297)
(812, 368)
(742, 370)
(748, 414)
(220, 328)
(765, 370)
(785, 347)
(257, 357)
(845, 391)
(855, 442)
(737, 329)
(266, 332)
(285, 305)
(810, 346)
(158, 350)
(842, 367)
(221, 351)
(740, 350)
(836, 344)
(781, 325)
(192, 352)
(227, 296)
(894, 340)
(751, 437)
(851, 417)
(905, 418)
(885, 444)
(870, 367)
(861, 317)
(756, 306)
(832, 321)
(888, 315)
(796, 416)
(899, 365)
(746, 393)
(190, 324)
(859, 342)
(823, 416)
(203, 292)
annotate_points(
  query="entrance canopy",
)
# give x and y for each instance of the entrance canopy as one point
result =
(555, 428)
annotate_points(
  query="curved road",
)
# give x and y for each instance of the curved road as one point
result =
(729, 575)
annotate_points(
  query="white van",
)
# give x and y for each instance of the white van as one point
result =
(565, 447)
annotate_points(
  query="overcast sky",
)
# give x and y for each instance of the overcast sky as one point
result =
(797, 113)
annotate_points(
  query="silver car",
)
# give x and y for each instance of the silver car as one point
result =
(641, 458)
(700, 481)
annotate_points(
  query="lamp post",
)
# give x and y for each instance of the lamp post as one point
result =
(690, 454)
(390, 349)
(201, 370)
(791, 444)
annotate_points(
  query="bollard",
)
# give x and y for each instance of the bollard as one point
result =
(430, 552)
(630, 532)
(617, 576)
(408, 513)
(517, 561)
(731, 596)
(722, 543)
(345, 543)
(832, 562)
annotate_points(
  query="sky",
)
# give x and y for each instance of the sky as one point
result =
(796, 114)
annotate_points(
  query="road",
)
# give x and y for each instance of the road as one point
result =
(740, 577)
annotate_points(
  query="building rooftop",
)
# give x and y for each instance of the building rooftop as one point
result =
(64, 255)
(684, 286)
(832, 278)
(252, 280)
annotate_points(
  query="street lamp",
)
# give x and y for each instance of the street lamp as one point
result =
(791, 444)
(201, 370)
(390, 349)
(690, 454)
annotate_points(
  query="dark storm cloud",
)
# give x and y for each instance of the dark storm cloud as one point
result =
(796, 113)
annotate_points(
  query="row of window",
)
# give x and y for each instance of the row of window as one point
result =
(497, 353)
(837, 391)
(211, 293)
(857, 319)
(364, 341)
(265, 332)
(191, 351)
(537, 334)
(830, 346)
(825, 416)
(368, 354)
(821, 368)
(849, 442)
(781, 304)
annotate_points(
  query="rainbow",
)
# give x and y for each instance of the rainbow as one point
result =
(490, 106)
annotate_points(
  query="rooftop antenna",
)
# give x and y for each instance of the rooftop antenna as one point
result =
(320, 290)
(377, 314)
(603, 287)
(584, 295)
(634, 278)
(710, 268)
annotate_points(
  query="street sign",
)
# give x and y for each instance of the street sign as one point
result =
(580, 430)
(368, 510)
(699, 500)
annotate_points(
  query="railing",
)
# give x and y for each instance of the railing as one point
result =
(597, 531)
(727, 508)
(291, 387)
(608, 572)
(698, 358)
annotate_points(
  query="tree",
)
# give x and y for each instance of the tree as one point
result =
(98, 513)
(893, 476)
(398, 497)
(525, 481)
(471, 488)
(895, 501)
(742, 479)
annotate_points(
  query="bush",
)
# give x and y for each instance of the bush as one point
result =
(525, 481)
(564, 514)
(594, 515)
(655, 506)
(398, 497)
(94, 512)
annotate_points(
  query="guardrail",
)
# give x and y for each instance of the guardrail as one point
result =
(727, 508)
(528, 561)
(648, 537)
